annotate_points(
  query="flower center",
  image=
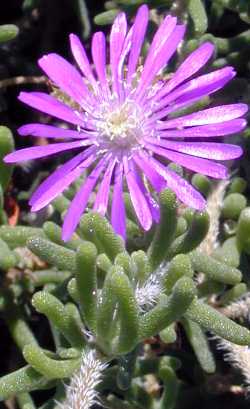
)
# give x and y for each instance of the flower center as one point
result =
(118, 124)
(121, 125)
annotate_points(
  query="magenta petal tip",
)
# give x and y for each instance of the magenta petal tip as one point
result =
(8, 159)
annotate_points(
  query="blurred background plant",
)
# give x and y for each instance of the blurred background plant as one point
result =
(160, 324)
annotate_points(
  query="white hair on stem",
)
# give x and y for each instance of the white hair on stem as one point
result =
(147, 294)
(81, 393)
(238, 356)
(214, 205)
(239, 308)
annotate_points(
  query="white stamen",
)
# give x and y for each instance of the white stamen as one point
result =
(121, 124)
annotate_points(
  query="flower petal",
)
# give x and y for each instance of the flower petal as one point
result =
(139, 30)
(125, 50)
(80, 201)
(207, 131)
(59, 173)
(117, 38)
(160, 39)
(183, 190)
(208, 116)
(102, 196)
(98, 49)
(162, 35)
(118, 212)
(192, 92)
(197, 88)
(81, 58)
(138, 199)
(51, 106)
(123, 86)
(42, 151)
(211, 150)
(156, 180)
(158, 58)
(153, 205)
(67, 78)
(193, 63)
(61, 184)
(49, 131)
(204, 166)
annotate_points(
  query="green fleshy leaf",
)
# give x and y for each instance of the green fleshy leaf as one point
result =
(233, 205)
(214, 270)
(97, 229)
(105, 18)
(54, 233)
(50, 368)
(168, 310)
(179, 266)
(53, 254)
(198, 15)
(243, 231)
(17, 236)
(128, 312)
(8, 32)
(193, 237)
(6, 138)
(23, 380)
(86, 280)
(56, 312)
(165, 229)
(210, 319)
(200, 345)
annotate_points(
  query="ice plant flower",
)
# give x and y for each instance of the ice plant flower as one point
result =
(121, 123)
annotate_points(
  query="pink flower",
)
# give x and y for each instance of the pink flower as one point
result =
(122, 124)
